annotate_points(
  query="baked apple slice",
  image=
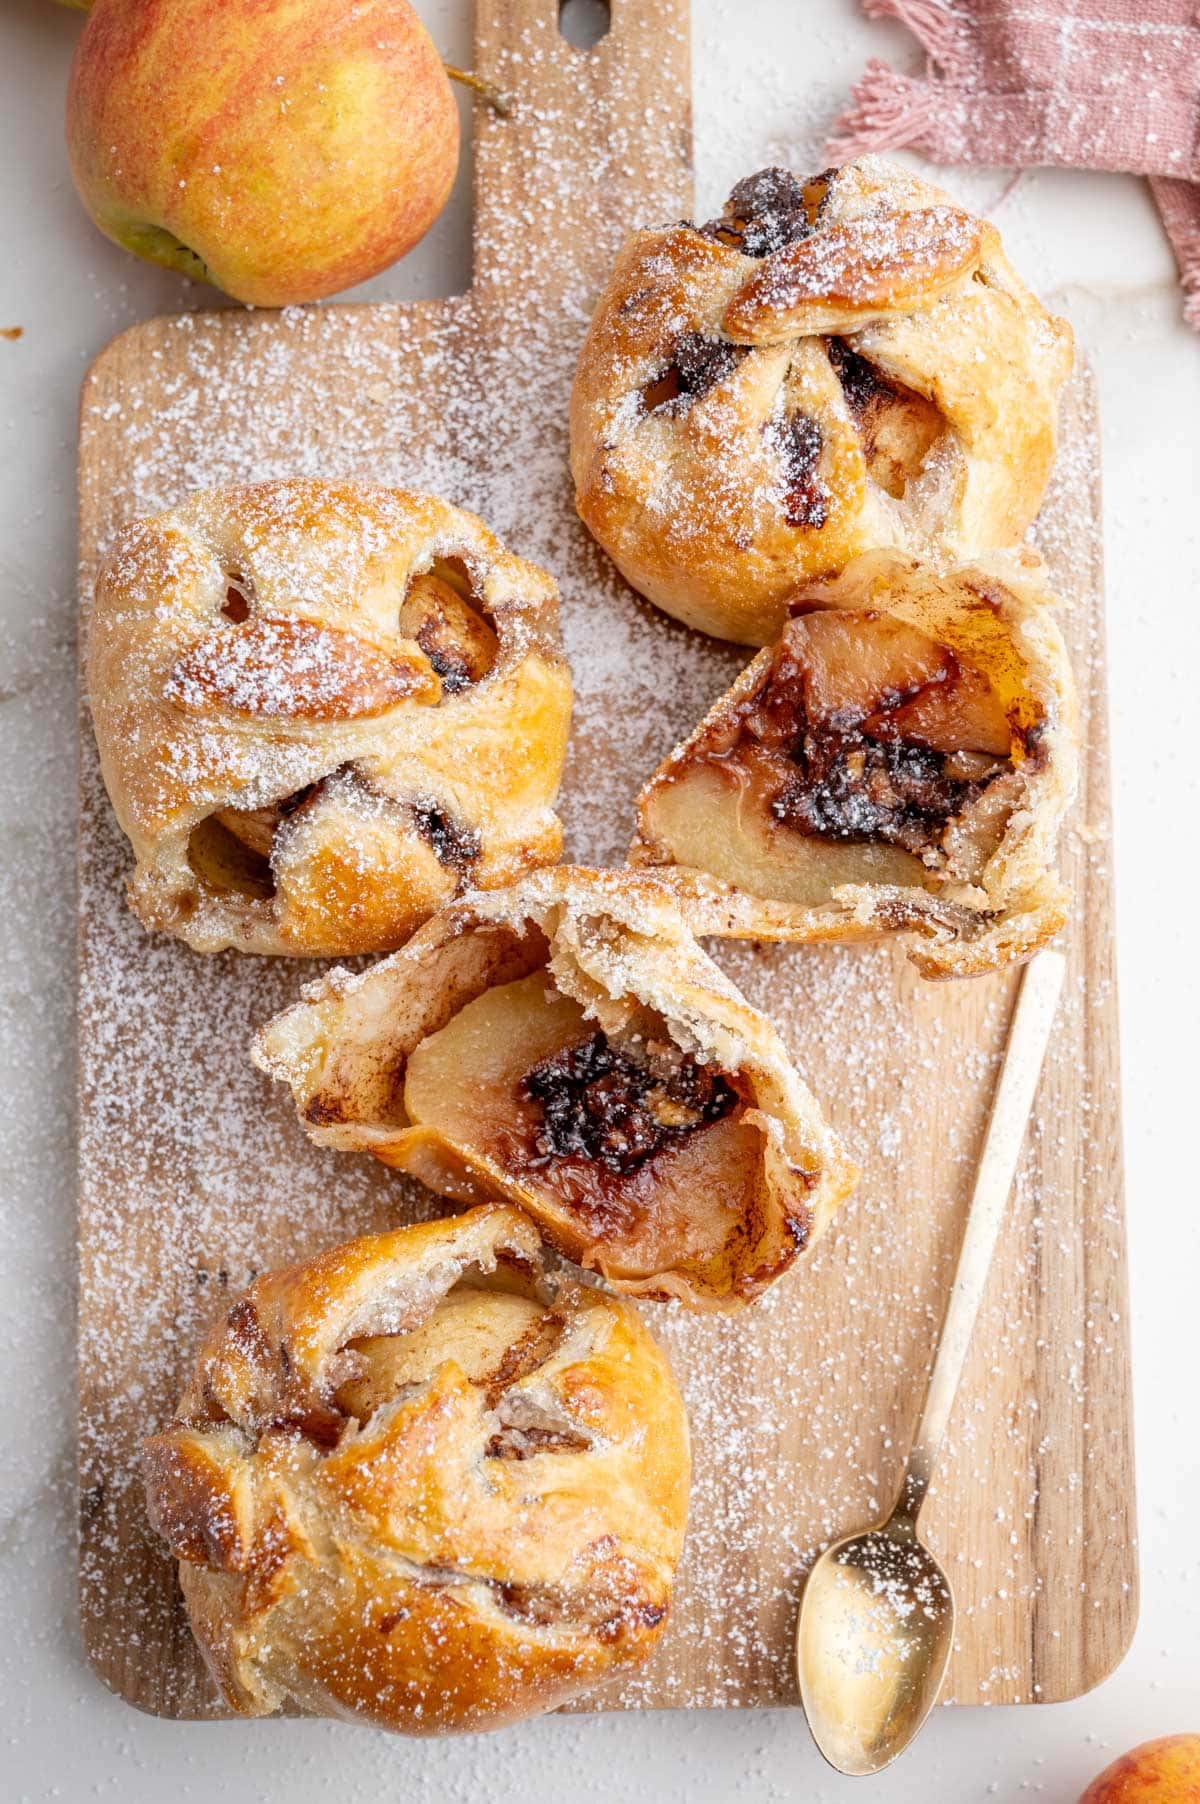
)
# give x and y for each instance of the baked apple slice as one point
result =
(565, 1045)
(900, 760)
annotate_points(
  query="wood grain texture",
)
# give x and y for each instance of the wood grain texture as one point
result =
(194, 1173)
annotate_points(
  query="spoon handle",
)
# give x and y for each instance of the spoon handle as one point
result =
(1028, 1037)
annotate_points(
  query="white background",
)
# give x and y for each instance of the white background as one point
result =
(769, 77)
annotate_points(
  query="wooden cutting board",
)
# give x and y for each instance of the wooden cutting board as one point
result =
(194, 1173)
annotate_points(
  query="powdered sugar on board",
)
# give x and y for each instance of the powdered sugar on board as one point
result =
(195, 1173)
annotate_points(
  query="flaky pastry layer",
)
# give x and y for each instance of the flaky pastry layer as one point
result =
(831, 366)
(424, 1482)
(322, 710)
(674, 1148)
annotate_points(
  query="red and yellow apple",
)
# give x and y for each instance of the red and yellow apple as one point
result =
(1159, 1772)
(280, 149)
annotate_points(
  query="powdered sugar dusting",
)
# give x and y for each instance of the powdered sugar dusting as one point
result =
(196, 1173)
(904, 249)
(286, 667)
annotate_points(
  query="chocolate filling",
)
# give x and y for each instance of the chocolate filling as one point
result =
(697, 364)
(769, 210)
(851, 786)
(600, 1104)
(862, 384)
(893, 760)
(454, 845)
(799, 443)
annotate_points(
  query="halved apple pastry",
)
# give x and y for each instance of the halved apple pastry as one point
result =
(899, 761)
(322, 710)
(831, 365)
(566, 1045)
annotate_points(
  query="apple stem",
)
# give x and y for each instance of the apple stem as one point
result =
(499, 103)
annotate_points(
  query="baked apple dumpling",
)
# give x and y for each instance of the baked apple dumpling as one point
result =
(423, 1483)
(566, 1046)
(832, 365)
(323, 709)
(899, 761)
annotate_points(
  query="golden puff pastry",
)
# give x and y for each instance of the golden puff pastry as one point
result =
(899, 761)
(565, 1045)
(322, 710)
(832, 365)
(421, 1483)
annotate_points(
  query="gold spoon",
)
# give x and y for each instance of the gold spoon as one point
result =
(877, 1619)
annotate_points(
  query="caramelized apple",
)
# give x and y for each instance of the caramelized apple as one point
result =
(465, 1078)
(897, 426)
(715, 818)
(851, 664)
(475, 1328)
(458, 641)
(227, 861)
(253, 828)
(959, 713)
(868, 731)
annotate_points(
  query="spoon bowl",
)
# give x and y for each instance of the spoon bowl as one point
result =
(872, 1644)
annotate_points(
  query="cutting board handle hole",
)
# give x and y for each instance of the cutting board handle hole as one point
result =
(584, 22)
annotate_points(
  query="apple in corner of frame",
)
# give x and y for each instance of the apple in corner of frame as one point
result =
(1166, 1771)
(280, 149)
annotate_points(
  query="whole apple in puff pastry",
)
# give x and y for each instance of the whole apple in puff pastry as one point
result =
(322, 710)
(565, 1045)
(829, 366)
(898, 762)
(425, 1482)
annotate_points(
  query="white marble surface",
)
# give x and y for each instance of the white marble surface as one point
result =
(768, 77)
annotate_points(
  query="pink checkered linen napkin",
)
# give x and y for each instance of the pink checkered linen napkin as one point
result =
(1096, 84)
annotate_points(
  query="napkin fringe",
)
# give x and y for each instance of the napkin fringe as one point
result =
(887, 111)
(1179, 204)
(937, 26)
(939, 114)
